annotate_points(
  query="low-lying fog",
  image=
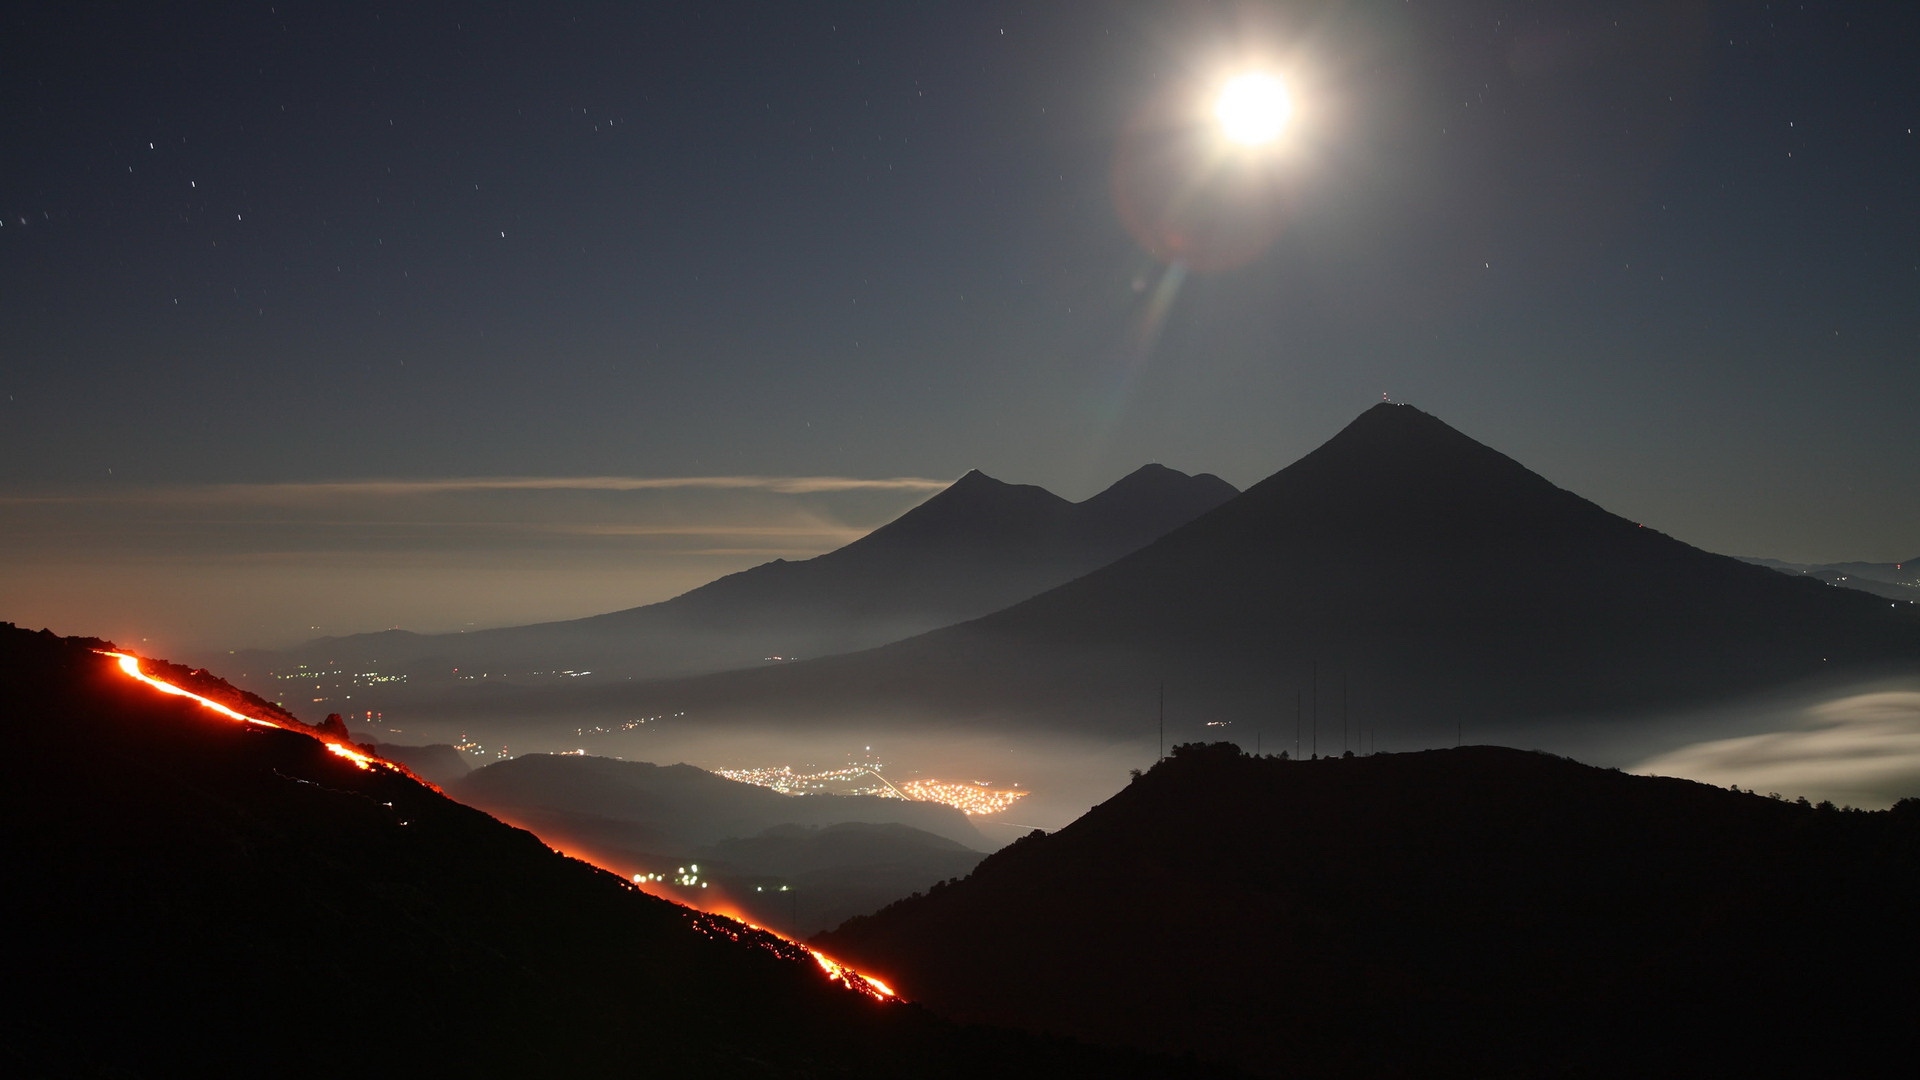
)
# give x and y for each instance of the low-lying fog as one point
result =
(1855, 745)
(1861, 750)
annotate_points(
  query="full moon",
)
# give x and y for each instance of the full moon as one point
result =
(1253, 108)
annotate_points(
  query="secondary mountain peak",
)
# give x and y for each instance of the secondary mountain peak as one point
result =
(973, 507)
(1154, 482)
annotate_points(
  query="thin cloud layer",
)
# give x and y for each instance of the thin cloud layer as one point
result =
(1862, 750)
(350, 489)
(247, 564)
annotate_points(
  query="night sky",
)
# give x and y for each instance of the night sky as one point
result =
(685, 273)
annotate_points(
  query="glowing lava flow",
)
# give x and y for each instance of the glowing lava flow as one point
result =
(131, 665)
(855, 981)
(836, 971)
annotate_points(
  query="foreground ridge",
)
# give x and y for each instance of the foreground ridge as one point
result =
(1473, 912)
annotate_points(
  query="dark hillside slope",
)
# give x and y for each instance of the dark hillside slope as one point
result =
(1439, 578)
(192, 896)
(1471, 912)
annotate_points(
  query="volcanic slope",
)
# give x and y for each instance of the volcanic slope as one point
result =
(1468, 912)
(976, 547)
(194, 896)
(1437, 580)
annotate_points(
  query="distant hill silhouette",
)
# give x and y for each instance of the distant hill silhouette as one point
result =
(1439, 580)
(1470, 912)
(977, 546)
(835, 871)
(1895, 581)
(192, 896)
(685, 805)
(838, 855)
(439, 763)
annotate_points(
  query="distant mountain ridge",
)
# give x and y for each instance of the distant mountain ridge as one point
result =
(975, 547)
(1434, 581)
(1895, 581)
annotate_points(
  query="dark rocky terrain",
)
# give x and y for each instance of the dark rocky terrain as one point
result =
(1470, 912)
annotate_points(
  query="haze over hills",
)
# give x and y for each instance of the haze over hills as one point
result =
(1470, 912)
(1429, 580)
(798, 863)
(213, 898)
(682, 806)
(976, 547)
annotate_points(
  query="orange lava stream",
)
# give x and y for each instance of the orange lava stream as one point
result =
(131, 665)
(839, 972)
(858, 982)
(836, 971)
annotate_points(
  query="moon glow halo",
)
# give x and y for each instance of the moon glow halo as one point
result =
(1253, 109)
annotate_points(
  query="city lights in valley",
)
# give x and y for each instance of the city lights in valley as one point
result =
(969, 797)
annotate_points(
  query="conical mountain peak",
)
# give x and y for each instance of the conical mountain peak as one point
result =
(974, 478)
(1443, 577)
(1397, 472)
(1401, 440)
(972, 506)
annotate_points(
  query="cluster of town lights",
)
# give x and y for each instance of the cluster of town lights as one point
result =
(969, 798)
(974, 797)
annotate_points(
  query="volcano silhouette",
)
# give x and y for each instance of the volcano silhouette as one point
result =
(1436, 579)
(977, 546)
